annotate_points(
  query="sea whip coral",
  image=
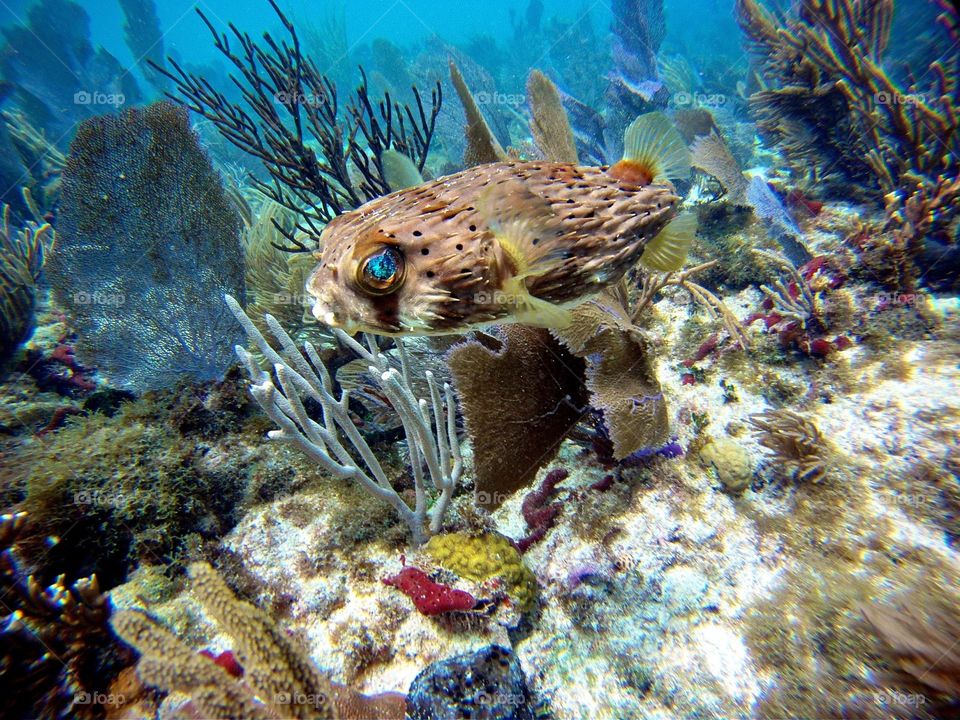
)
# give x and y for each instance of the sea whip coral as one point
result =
(430, 427)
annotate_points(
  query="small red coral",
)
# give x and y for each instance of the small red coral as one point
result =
(226, 660)
(429, 597)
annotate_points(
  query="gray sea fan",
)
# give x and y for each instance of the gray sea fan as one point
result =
(147, 244)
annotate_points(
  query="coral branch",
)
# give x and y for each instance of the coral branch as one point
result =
(290, 105)
(430, 426)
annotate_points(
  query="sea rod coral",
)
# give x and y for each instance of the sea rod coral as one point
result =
(431, 441)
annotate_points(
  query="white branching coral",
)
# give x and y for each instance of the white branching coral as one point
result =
(335, 443)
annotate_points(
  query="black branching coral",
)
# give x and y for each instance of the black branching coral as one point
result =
(289, 108)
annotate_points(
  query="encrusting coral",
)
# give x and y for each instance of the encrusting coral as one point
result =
(794, 442)
(431, 438)
(482, 557)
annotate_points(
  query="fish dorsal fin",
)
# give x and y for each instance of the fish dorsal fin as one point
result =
(653, 151)
(522, 223)
(668, 251)
(399, 170)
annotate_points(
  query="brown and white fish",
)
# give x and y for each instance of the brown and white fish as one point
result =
(504, 242)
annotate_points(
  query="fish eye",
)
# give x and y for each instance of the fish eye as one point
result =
(381, 272)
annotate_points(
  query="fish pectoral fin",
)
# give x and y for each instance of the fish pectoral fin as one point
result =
(522, 224)
(534, 311)
(668, 251)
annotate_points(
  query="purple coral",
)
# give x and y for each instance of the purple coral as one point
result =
(540, 514)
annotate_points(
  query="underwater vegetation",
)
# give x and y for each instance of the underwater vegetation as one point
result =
(295, 129)
(430, 428)
(22, 255)
(148, 243)
(57, 645)
(900, 137)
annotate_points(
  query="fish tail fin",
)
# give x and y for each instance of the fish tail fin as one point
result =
(668, 250)
(653, 151)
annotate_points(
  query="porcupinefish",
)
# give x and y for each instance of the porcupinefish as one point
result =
(504, 242)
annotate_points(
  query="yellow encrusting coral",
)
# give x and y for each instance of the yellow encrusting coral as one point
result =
(483, 557)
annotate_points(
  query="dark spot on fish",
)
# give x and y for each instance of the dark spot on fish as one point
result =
(471, 209)
(473, 228)
(424, 251)
(465, 271)
(659, 205)
(386, 309)
(570, 200)
(536, 240)
(459, 246)
(430, 273)
(417, 233)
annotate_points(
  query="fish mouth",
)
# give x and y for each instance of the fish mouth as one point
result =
(328, 317)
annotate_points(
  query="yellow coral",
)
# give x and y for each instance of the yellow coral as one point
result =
(731, 461)
(482, 557)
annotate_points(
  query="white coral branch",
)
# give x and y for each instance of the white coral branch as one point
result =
(430, 427)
